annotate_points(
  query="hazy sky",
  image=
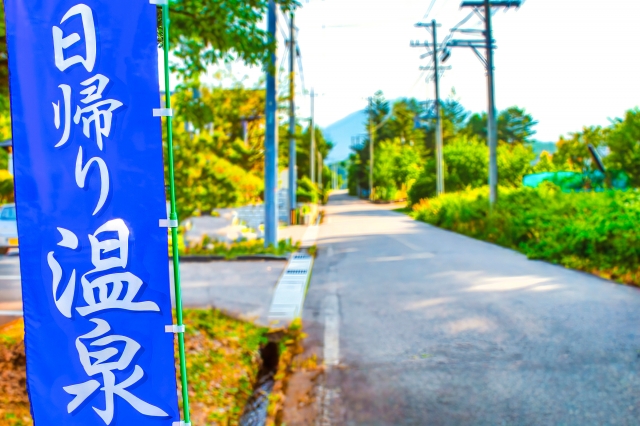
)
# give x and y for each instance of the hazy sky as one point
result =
(569, 63)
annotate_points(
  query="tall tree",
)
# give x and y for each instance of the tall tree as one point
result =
(515, 126)
(402, 123)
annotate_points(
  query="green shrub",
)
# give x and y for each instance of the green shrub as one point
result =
(591, 231)
(466, 165)
(307, 191)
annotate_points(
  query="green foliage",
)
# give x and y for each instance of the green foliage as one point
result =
(211, 247)
(205, 181)
(211, 171)
(303, 147)
(206, 32)
(467, 166)
(514, 162)
(405, 158)
(397, 166)
(224, 361)
(590, 231)
(6, 186)
(573, 152)
(545, 163)
(307, 191)
(515, 126)
(624, 143)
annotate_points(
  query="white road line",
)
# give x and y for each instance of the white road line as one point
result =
(10, 277)
(11, 313)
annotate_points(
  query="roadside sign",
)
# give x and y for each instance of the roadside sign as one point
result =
(90, 198)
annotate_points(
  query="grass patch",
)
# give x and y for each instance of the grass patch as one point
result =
(210, 247)
(404, 210)
(594, 232)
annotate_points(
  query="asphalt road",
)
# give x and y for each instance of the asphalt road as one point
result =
(426, 327)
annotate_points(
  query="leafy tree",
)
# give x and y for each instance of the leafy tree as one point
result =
(624, 143)
(545, 163)
(514, 162)
(204, 180)
(377, 111)
(514, 126)
(453, 117)
(303, 148)
(573, 152)
(467, 166)
(402, 123)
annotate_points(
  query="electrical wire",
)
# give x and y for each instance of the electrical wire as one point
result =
(299, 55)
(426, 15)
(280, 16)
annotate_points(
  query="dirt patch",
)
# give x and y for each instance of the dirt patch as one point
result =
(14, 404)
(301, 391)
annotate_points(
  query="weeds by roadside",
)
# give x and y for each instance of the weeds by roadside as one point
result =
(594, 232)
(211, 247)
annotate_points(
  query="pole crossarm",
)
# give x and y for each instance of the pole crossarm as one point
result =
(495, 3)
(434, 68)
(469, 43)
(467, 30)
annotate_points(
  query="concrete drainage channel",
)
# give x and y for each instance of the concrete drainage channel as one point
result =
(286, 306)
(255, 412)
(288, 300)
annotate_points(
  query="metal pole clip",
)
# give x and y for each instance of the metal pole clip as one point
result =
(160, 3)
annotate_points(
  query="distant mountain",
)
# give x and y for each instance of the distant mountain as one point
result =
(341, 132)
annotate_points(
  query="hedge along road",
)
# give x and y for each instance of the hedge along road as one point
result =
(424, 326)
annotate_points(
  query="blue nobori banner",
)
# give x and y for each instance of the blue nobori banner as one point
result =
(90, 194)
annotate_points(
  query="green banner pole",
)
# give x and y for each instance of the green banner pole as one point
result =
(173, 216)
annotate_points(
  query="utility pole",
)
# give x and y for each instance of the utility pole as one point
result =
(371, 141)
(439, 142)
(312, 155)
(271, 141)
(492, 125)
(437, 106)
(293, 176)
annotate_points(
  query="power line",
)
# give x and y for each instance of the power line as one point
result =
(426, 15)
